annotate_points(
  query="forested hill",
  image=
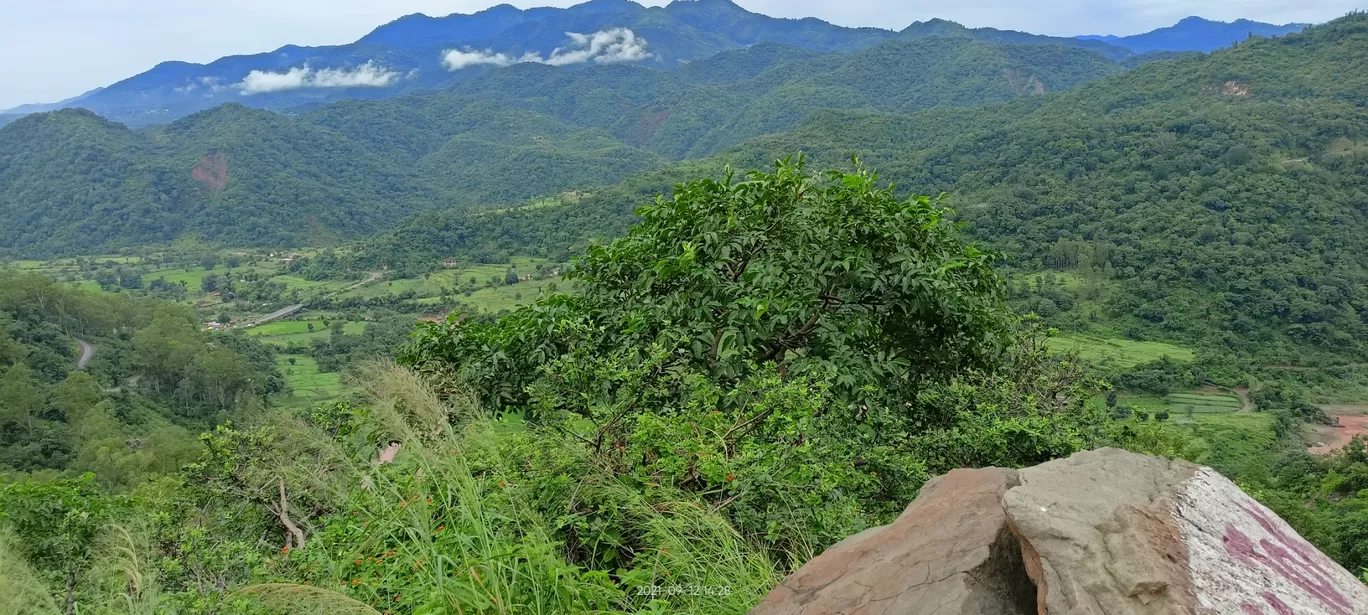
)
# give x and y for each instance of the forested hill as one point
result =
(153, 380)
(1219, 199)
(72, 181)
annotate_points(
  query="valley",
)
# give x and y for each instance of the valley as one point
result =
(550, 310)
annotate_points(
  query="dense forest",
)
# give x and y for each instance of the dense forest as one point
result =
(136, 403)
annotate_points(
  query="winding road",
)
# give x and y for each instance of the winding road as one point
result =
(87, 351)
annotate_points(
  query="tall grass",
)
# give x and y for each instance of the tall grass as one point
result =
(462, 521)
(22, 591)
(449, 527)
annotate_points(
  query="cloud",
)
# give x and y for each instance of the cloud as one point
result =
(456, 59)
(369, 74)
(602, 47)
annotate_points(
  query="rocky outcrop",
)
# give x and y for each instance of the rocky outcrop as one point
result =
(1104, 531)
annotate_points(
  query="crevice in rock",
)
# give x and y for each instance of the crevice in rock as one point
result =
(1005, 575)
(1033, 591)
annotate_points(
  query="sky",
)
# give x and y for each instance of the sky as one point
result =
(55, 49)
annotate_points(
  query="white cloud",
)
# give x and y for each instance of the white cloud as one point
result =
(603, 47)
(369, 74)
(456, 59)
(261, 82)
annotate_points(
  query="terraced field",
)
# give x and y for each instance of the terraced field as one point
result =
(1119, 352)
(1203, 403)
(309, 387)
(285, 332)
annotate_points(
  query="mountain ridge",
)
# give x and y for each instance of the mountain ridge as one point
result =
(415, 52)
(1197, 34)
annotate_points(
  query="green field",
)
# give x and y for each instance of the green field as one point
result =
(1177, 404)
(1116, 351)
(297, 283)
(286, 332)
(1202, 403)
(309, 387)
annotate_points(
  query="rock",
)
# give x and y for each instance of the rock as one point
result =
(1104, 531)
(950, 546)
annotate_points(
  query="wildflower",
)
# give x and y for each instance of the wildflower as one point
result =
(285, 549)
(356, 581)
(441, 527)
(730, 477)
(501, 483)
(357, 562)
(398, 597)
(451, 452)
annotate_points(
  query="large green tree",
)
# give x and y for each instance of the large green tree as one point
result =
(777, 331)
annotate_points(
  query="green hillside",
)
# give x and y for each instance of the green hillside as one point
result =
(70, 181)
(1216, 201)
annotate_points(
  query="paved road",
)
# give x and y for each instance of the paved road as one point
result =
(87, 351)
(277, 315)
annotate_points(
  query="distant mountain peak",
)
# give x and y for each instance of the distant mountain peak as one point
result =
(1196, 33)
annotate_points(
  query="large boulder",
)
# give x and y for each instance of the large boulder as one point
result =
(1104, 531)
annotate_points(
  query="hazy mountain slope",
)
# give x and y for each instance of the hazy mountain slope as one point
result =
(1197, 34)
(944, 28)
(896, 76)
(712, 103)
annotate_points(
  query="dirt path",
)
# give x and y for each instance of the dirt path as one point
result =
(1352, 422)
(374, 277)
(87, 351)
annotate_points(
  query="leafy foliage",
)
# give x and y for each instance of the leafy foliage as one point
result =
(796, 329)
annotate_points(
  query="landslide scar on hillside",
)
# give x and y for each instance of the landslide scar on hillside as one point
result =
(212, 171)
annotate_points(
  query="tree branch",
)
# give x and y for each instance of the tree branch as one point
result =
(284, 514)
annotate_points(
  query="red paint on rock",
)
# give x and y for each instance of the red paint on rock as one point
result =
(1290, 557)
(1277, 604)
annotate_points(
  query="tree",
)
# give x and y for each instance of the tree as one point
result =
(817, 274)
(21, 396)
(73, 396)
(810, 321)
(1111, 398)
(510, 277)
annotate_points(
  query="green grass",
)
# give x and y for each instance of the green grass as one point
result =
(192, 278)
(286, 332)
(1116, 351)
(297, 283)
(1203, 403)
(1176, 404)
(309, 387)
(506, 297)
